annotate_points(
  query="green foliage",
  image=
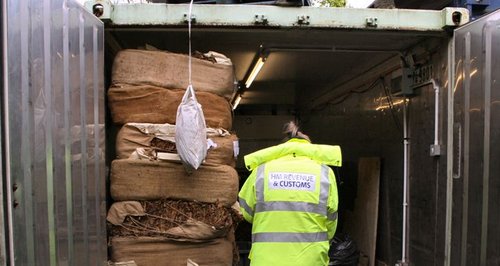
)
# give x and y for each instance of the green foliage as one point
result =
(332, 3)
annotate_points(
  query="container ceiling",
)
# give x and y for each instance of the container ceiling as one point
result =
(303, 60)
(308, 59)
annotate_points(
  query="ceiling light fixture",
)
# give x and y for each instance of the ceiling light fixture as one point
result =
(255, 71)
(256, 66)
(236, 101)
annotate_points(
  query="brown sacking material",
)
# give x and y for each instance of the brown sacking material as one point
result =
(150, 104)
(170, 70)
(158, 251)
(153, 180)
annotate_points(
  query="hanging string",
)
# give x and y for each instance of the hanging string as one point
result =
(189, 33)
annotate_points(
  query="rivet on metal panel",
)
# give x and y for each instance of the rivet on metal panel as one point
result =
(193, 18)
(98, 10)
(15, 204)
(303, 20)
(371, 22)
(15, 187)
(261, 19)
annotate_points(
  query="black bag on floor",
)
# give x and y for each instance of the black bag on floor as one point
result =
(343, 251)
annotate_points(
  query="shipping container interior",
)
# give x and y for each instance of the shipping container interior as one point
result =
(340, 73)
(343, 86)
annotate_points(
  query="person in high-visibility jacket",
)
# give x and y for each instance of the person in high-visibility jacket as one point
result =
(291, 200)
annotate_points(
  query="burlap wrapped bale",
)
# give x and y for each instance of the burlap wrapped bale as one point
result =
(158, 251)
(176, 219)
(223, 153)
(142, 135)
(150, 104)
(170, 70)
(152, 180)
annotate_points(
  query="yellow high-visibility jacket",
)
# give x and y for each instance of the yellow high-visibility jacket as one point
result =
(291, 200)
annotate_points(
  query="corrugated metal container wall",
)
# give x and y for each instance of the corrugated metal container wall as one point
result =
(476, 132)
(368, 122)
(53, 106)
(2, 74)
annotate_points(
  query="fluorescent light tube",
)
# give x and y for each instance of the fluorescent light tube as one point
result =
(256, 68)
(236, 101)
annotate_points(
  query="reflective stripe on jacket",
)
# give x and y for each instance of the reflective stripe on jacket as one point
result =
(291, 199)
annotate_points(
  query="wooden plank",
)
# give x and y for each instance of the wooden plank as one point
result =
(361, 224)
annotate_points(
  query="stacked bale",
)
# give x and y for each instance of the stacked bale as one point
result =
(135, 139)
(147, 87)
(168, 216)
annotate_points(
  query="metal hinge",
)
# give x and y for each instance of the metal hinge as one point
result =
(185, 18)
(372, 22)
(303, 20)
(261, 19)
